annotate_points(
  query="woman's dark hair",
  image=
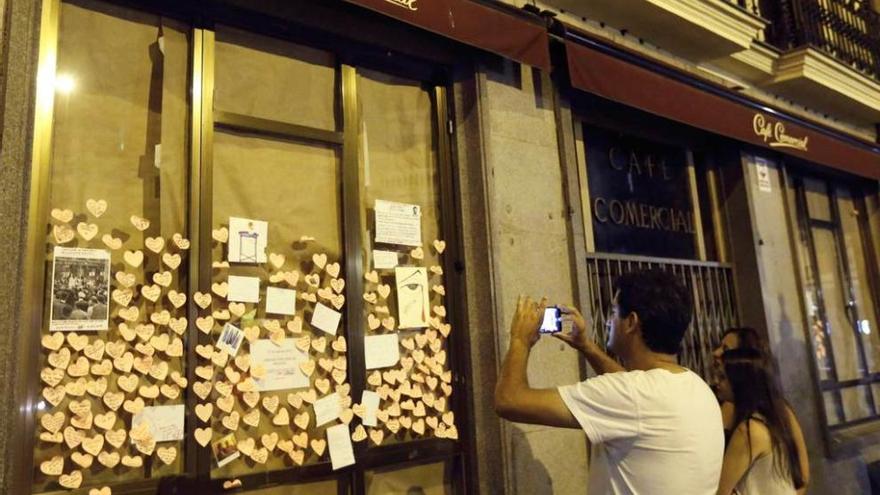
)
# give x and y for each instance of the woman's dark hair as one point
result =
(749, 338)
(663, 304)
(755, 392)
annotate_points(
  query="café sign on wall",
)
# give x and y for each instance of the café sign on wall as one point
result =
(640, 195)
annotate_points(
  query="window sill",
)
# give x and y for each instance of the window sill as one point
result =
(850, 441)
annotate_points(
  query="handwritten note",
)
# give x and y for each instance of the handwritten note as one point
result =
(165, 422)
(244, 289)
(384, 260)
(398, 223)
(326, 319)
(281, 363)
(339, 444)
(381, 351)
(280, 301)
(327, 409)
(370, 401)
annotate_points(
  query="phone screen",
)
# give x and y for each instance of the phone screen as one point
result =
(552, 322)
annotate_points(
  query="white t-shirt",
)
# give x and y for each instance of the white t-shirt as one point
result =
(656, 432)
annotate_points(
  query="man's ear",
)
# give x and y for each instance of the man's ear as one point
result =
(633, 322)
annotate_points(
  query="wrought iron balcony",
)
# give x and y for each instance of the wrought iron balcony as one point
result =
(848, 30)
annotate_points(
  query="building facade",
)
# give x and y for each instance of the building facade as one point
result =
(274, 247)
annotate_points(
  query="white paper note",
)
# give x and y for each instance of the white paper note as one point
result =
(327, 409)
(398, 223)
(326, 319)
(281, 363)
(280, 301)
(244, 289)
(383, 260)
(381, 351)
(247, 240)
(370, 401)
(339, 445)
(166, 422)
(413, 305)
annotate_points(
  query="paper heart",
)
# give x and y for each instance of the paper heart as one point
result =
(313, 280)
(133, 258)
(105, 421)
(93, 445)
(388, 322)
(111, 242)
(282, 417)
(132, 461)
(163, 278)
(63, 234)
(230, 422)
(75, 388)
(417, 253)
(269, 441)
(325, 293)
(180, 241)
(78, 368)
(226, 403)
(338, 301)
(113, 400)
(252, 418)
(332, 269)
(72, 480)
(177, 299)
(440, 404)
(124, 363)
(230, 484)
(246, 446)
(166, 454)
(301, 440)
(178, 325)
(302, 420)
(60, 359)
(115, 437)
(377, 436)
(205, 324)
(202, 389)
(169, 391)
(109, 460)
(307, 367)
(221, 289)
(171, 260)
(77, 342)
(346, 416)
(203, 436)
(126, 279)
(291, 277)
(155, 244)
(285, 446)
(277, 337)
(384, 290)
(271, 403)
(220, 235)
(318, 446)
(139, 223)
(260, 456)
(359, 434)
(96, 208)
(148, 392)
(252, 333)
(326, 364)
(53, 422)
(295, 400)
(432, 421)
(175, 348)
(370, 297)
(372, 277)
(320, 260)
(310, 396)
(251, 398)
(418, 426)
(103, 368)
(87, 231)
(52, 342)
(54, 395)
(375, 378)
(439, 289)
(62, 216)
(134, 406)
(421, 340)
(73, 437)
(129, 314)
(151, 292)
(237, 309)
(202, 300)
(220, 265)
(405, 422)
(143, 364)
(323, 385)
(277, 260)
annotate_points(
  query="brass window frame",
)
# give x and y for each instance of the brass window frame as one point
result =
(203, 120)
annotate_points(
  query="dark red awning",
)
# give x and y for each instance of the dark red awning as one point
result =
(611, 77)
(466, 21)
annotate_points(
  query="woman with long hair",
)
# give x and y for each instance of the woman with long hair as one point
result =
(762, 453)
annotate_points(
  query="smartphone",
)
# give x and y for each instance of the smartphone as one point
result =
(552, 322)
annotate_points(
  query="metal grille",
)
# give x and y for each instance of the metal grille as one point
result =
(711, 286)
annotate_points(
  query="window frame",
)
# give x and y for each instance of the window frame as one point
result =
(435, 74)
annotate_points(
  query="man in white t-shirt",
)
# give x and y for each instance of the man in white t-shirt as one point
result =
(656, 425)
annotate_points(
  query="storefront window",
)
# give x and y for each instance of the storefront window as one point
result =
(202, 311)
(429, 479)
(113, 371)
(838, 293)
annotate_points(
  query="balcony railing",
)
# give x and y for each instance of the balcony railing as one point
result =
(848, 30)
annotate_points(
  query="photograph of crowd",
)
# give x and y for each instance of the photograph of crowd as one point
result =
(80, 289)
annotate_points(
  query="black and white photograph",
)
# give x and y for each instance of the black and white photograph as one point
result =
(80, 289)
(230, 339)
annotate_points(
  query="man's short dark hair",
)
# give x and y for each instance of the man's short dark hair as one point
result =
(663, 304)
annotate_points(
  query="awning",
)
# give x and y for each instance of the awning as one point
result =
(507, 34)
(655, 88)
